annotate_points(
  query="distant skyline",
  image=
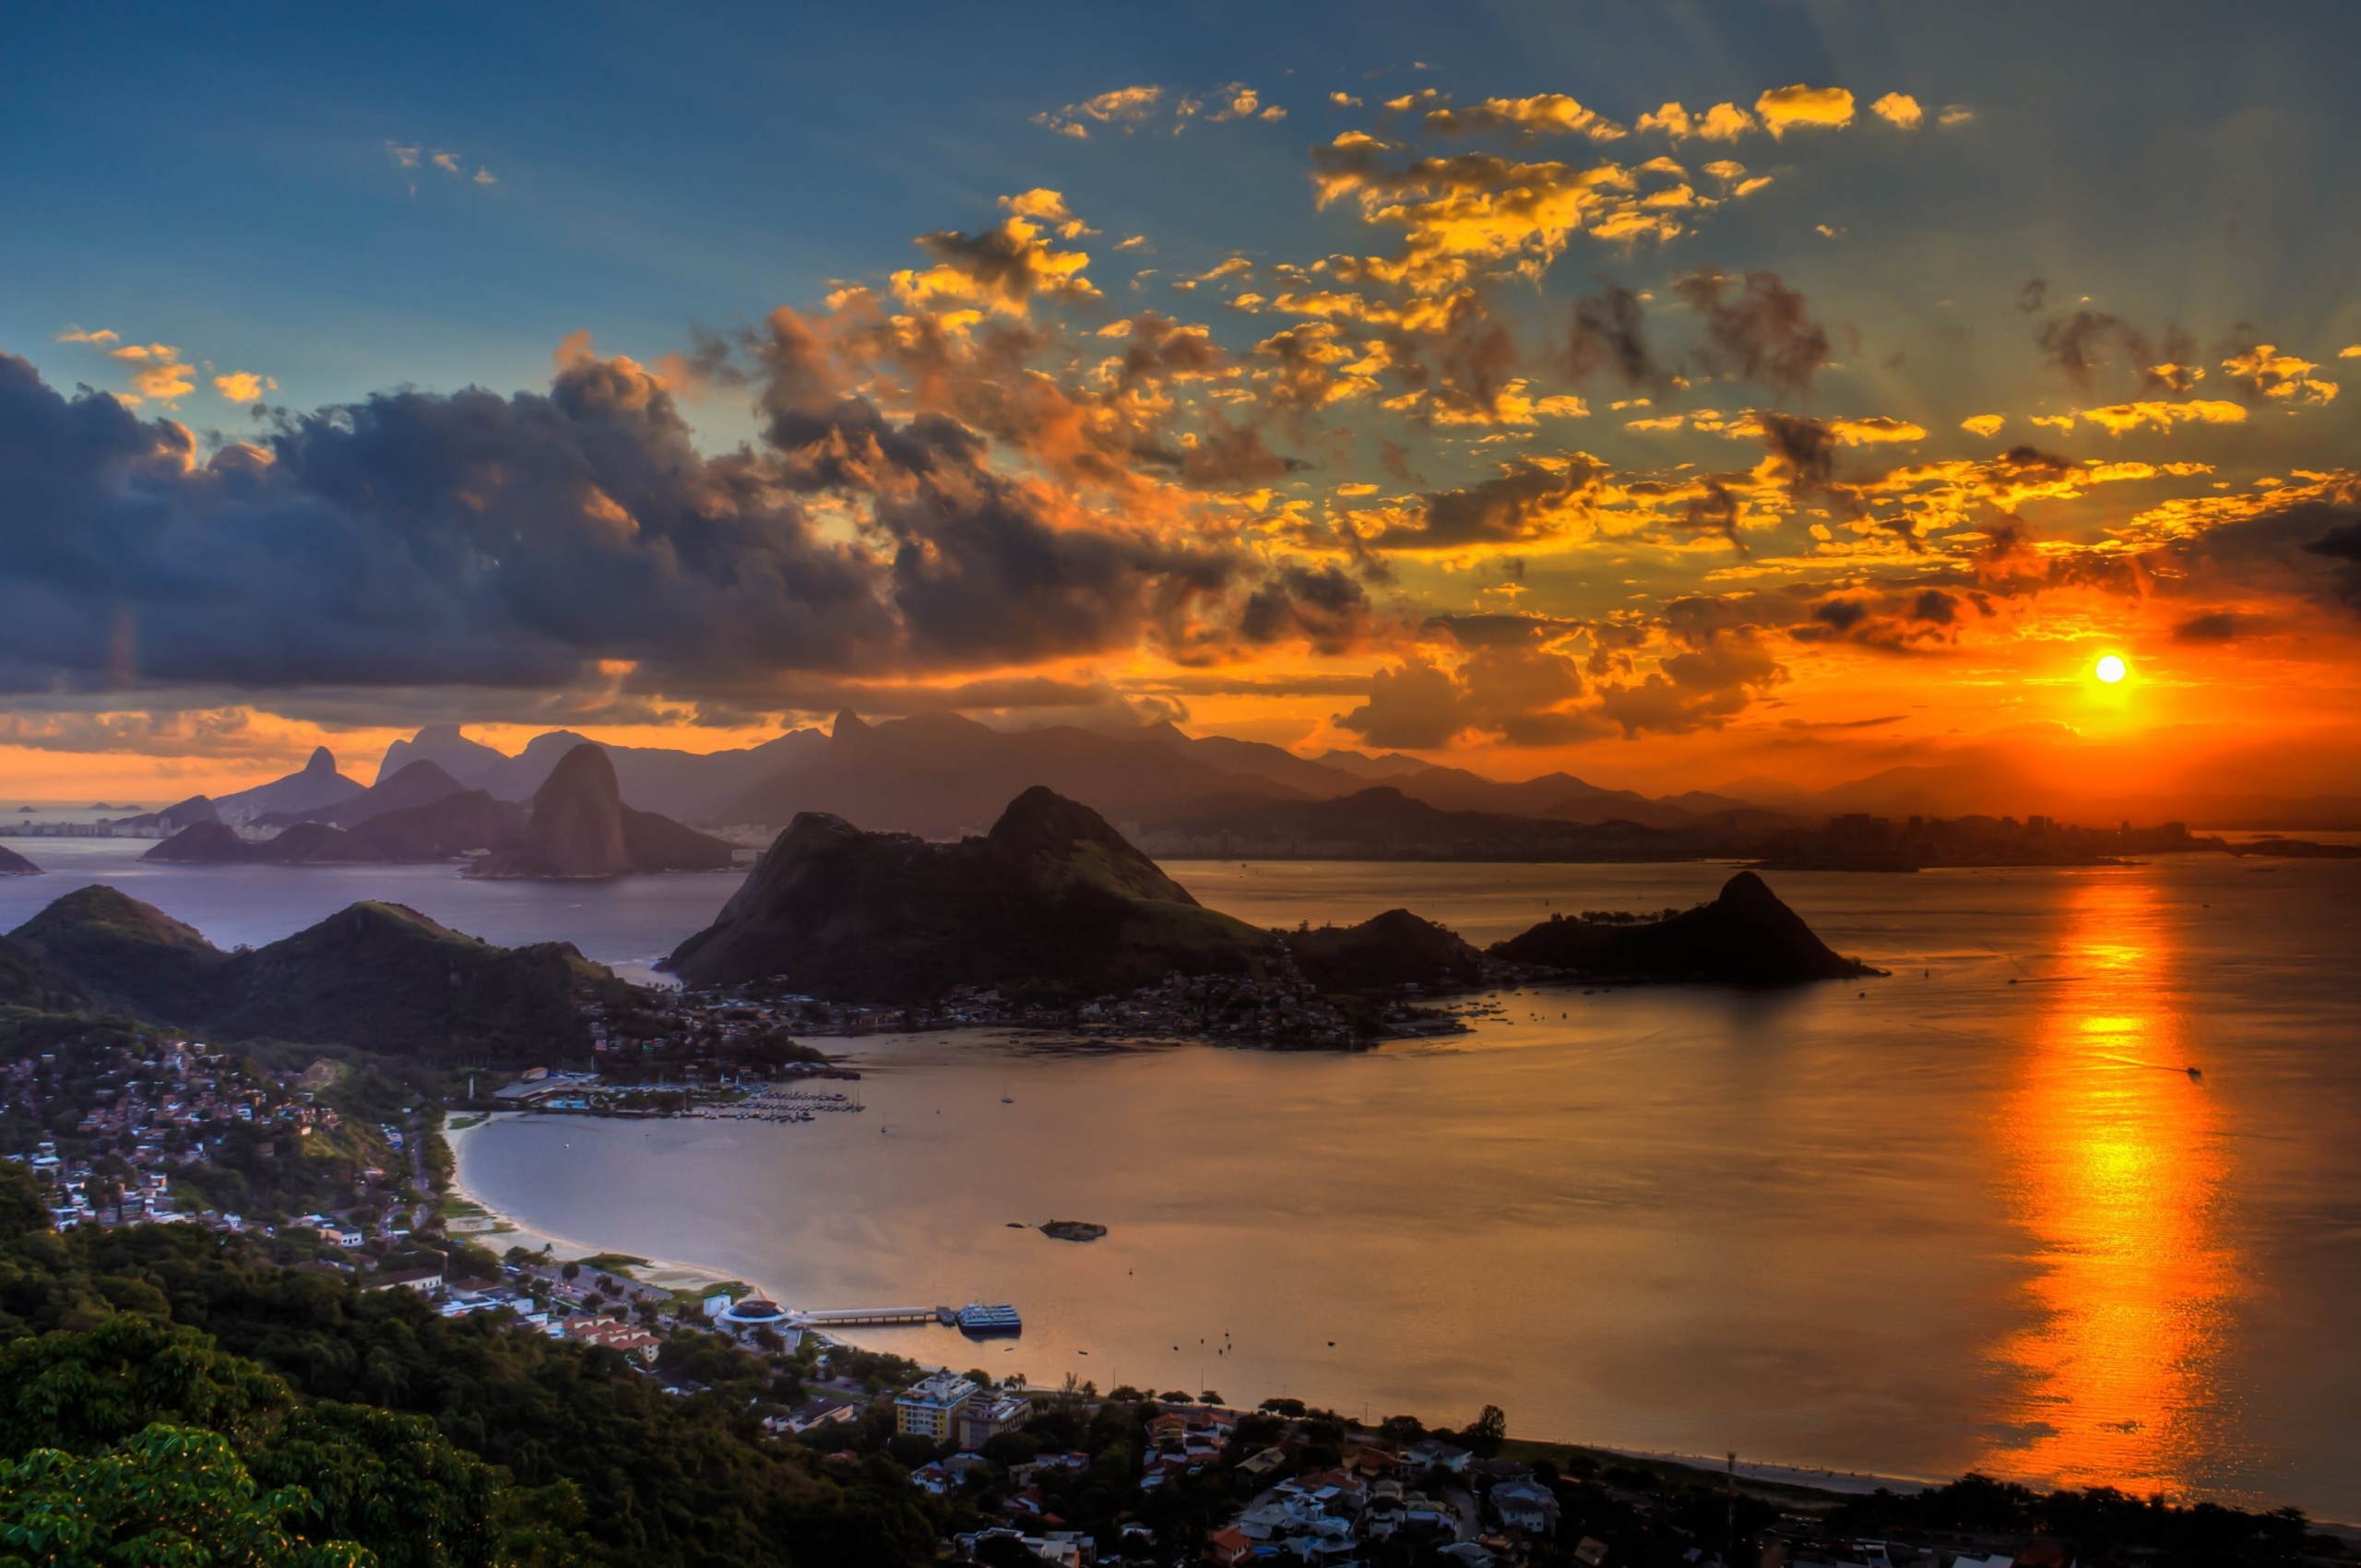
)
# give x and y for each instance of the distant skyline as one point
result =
(1681, 397)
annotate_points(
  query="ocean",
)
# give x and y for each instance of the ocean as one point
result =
(1980, 1214)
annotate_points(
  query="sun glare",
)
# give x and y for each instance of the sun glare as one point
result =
(2110, 669)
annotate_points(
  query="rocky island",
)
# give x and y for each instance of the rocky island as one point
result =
(578, 827)
(1053, 919)
(1052, 900)
(1746, 936)
(1074, 1230)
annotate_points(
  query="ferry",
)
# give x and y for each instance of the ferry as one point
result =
(980, 1322)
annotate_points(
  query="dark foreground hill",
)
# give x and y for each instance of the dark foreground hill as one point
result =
(379, 976)
(1746, 936)
(580, 827)
(1052, 900)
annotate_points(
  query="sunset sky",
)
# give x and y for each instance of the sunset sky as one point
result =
(1684, 395)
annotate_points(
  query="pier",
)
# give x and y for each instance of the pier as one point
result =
(847, 1317)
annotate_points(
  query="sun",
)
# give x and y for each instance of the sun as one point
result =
(2111, 669)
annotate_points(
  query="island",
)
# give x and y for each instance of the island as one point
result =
(1074, 1230)
(1745, 936)
(1052, 901)
(1054, 919)
(15, 864)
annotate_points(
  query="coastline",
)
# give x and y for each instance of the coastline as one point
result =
(675, 1275)
(664, 1273)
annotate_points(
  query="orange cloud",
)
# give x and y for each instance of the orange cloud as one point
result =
(2120, 417)
(1982, 424)
(2266, 371)
(1784, 109)
(1549, 114)
(1047, 206)
(1722, 122)
(999, 269)
(1125, 108)
(160, 376)
(1899, 110)
(244, 386)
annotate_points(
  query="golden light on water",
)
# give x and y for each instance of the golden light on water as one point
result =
(2111, 669)
(2118, 1171)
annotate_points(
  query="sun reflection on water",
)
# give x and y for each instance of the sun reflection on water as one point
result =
(2118, 1171)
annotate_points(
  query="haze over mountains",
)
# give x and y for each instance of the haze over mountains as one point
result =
(941, 774)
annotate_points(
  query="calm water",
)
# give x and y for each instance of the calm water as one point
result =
(1956, 1223)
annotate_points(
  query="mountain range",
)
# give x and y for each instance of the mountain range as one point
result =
(942, 776)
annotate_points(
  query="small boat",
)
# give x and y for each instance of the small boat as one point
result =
(980, 1322)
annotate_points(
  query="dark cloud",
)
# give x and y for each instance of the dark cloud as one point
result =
(1897, 621)
(575, 539)
(1523, 503)
(410, 538)
(1229, 457)
(2080, 343)
(1478, 630)
(1803, 456)
(2221, 626)
(1610, 334)
(1756, 329)
(1722, 665)
(1326, 607)
(1935, 606)
(1416, 706)
(2075, 343)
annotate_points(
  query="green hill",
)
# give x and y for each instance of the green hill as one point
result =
(378, 977)
(27, 978)
(384, 977)
(128, 955)
(1051, 902)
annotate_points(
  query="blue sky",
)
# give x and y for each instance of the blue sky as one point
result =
(216, 177)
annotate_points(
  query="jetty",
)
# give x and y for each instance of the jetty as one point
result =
(975, 1318)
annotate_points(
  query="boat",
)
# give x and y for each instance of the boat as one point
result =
(980, 1322)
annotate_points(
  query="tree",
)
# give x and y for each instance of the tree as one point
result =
(23, 1210)
(1484, 1437)
(170, 1496)
(393, 1481)
(87, 1392)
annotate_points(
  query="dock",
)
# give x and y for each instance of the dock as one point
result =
(975, 1319)
(847, 1317)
